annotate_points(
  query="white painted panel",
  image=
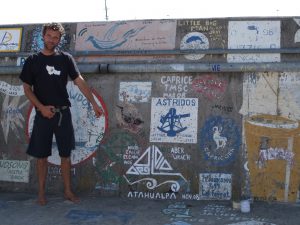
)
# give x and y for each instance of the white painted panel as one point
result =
(174, 120)
(253, 35)
(14, 170)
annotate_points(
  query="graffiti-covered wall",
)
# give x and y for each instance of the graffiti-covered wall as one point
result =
(226, 131)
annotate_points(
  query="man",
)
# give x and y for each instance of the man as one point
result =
(45, 77)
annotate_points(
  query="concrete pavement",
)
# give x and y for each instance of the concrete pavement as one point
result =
(21, 209)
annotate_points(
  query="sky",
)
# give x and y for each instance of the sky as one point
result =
(40, 11)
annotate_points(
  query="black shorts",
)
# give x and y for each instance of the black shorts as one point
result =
(40, 144)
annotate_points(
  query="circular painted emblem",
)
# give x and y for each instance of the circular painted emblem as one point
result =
(88, 129)
(194, 41)
(220, 140)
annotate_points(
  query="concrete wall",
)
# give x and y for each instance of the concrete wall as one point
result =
(194, 109)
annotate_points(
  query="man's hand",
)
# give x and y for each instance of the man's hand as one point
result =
(47, 111)
(98, 111)
(83, 87)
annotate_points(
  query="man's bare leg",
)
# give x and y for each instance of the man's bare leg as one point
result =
(42, 170)
(66, 175)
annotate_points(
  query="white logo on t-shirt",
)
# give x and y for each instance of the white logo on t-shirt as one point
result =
(52, 71)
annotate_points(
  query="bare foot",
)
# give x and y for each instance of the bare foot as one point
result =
(71, 197)
(41, 201)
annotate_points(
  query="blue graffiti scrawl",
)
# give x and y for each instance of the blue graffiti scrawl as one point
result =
(99, 217)
(170, 123)
(220, 140)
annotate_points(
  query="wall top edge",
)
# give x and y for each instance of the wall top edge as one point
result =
(169, 19)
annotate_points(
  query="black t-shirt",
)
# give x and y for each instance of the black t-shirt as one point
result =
(48, 75)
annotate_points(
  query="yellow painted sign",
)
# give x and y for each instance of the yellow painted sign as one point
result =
(10, 39)
(273, 157)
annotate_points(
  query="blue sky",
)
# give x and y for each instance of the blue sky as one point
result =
(39, 11)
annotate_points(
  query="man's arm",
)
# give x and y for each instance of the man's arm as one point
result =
(84, 88)
(45, 110)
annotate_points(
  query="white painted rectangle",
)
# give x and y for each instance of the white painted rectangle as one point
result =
(215, 186)
(126, 35)
(10, 39)
(254, 35)
(136, 92)
(174, 120)
(14, 170)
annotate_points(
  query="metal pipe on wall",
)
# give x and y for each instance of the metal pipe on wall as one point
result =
(174, 68)
(165, 52)
(203, 67)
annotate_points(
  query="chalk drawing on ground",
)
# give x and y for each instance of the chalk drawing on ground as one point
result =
(178, 223)
(251, 222)
(178, 209)
(88, 216)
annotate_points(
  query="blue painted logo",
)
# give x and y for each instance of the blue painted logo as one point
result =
(171, 124)
(220, 139)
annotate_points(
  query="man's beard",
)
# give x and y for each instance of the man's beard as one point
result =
(50, 47)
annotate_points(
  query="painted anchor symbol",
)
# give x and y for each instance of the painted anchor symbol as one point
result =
(171, 124)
